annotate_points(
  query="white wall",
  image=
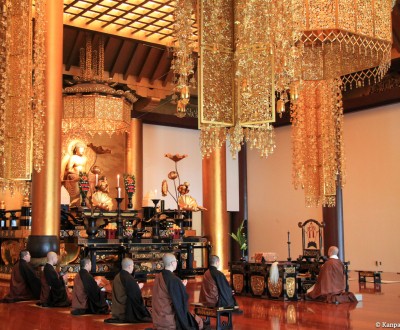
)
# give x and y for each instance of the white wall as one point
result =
(372, 191)
(274, 206)
(371, 195)
(159, 140)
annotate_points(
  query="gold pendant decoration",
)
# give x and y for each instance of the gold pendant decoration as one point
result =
(275, 290)
(290, 286)
(257, 285)
(238, 282)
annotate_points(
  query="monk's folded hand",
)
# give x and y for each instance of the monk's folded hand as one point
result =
(184, 282)
(140, 285)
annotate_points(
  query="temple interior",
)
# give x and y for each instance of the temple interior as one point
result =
(135, 128)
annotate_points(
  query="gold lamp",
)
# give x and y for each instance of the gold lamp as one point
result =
(246, 63)
(92, 106)
(183, 62)
(341, 38)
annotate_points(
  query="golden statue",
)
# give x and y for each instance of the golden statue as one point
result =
(100, 198)
(76, 163)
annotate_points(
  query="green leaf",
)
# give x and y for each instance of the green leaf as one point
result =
(240, 237)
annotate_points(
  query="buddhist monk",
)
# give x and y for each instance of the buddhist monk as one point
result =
(331, 282)
(54, 288)
(87, 297)
(170, 300)
(24, 285)
(215, 289)
(127, 301)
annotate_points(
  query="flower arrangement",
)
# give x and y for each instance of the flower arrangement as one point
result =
(240, 237)
(84, 186)
(130, 184)
(183, 201)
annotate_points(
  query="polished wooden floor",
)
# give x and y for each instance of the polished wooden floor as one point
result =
(380, 304)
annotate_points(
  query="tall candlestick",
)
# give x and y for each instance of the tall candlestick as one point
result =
(118, 180)
(288, 236)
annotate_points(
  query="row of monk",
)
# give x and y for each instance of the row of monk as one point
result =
(170, 307)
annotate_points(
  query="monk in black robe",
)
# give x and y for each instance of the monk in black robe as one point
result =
(215, 289)
(170, 300)
(331, 282)
(24, 285)
(54, 290)
(87, 297)
(127, 301)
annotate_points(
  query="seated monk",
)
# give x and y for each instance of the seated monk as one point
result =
(215, 289)
(87, 297)
(24, 285)
(54, 291)
(331, 282)
(170, 300)
(127, 302)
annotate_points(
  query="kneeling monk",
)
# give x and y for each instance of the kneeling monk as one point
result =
(331, 283)
(170, 300)
(87, 297)
(54, 290)
(127, 302)
(215, 289)
(24, 285)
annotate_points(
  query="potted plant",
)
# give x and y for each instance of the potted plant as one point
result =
(240, 238)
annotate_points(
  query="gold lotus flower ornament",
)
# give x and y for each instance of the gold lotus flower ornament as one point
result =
(176, 158)
(183, 201)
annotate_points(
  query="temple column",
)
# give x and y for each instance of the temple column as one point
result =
(215, 219)
(333, 219)
(134, 160)
(46, 184)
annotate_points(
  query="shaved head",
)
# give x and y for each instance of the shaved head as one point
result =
(214, 260)
(168, 260)
(126, 263)
(333, 251)
(52, 258)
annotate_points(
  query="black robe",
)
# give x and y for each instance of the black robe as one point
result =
(96, 298)
(135, 311)
(177, 292)
(24, 285)
(127, 305)
(225, 297)
(58, 294)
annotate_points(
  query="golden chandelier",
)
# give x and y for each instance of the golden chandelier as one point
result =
(183, 50)
(92, 106)
(256, 55)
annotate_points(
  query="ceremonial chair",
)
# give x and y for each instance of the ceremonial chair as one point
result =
(312, 258)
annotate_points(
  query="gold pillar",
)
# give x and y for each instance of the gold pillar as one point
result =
(215, 219)
(134, 160)
(46, 184)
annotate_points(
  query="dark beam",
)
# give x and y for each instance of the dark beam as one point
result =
(128, 47)
(165, 120)
(75, 50)
(136, 60)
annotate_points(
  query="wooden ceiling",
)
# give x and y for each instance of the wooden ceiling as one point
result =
(137, 39)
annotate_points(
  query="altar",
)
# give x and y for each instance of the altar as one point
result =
(252, 279)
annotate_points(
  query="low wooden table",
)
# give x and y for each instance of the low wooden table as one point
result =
(218, 313)
(362, 274)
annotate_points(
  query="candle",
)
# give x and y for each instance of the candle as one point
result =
(118, 180)
(97, 179)
(119, 192)
(288, 236)
(155, 193)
